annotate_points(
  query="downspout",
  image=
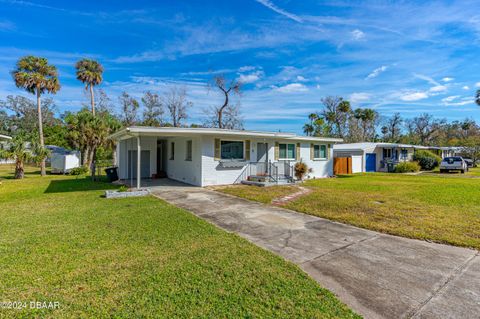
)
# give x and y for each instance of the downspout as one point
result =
(139, 150)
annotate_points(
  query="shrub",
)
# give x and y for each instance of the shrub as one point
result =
(406, 167)
(300, 170)
(427, 160)
(81, 170)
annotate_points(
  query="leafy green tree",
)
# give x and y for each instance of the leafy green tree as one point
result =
(336, 113)
(17, 150)
(36, 76)
(90, 72)
(88, 132)
(363, 125)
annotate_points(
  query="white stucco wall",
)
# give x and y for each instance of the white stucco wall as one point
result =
(180, 169)
(213, 174)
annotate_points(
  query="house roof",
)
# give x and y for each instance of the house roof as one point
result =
(5, 137)
(132, 131)
(370, 145)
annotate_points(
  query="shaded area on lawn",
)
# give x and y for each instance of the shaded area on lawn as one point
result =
(80, 184)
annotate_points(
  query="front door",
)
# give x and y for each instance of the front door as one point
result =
(262, 153)
(371, 162)
(262, 157)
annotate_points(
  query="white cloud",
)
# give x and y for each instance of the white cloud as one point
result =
(466, 87)
(456, 100)
(246, 68)
(413, 96)
(447, 79)
(359, 97)
(477, 85)
(292, 88)
(377, 72)
(357, 34)
(426, 78)
(301, 78)
(438, 88)
(250, 78)
(450, 98)
(269, 4)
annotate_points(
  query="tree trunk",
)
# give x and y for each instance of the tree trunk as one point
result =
(19, 171)
(92, 100)
(40, 132)
(220, 111)
(91, 156)
(86, 156)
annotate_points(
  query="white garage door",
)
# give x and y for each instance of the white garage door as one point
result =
(357, 163)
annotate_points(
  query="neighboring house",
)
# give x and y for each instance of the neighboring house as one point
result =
(3, 142)
(209, 156)
(374, 157)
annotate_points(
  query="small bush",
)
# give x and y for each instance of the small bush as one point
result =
(407, 167)
(81, 170)
(300, 170)
(123, 189)
(427, 160)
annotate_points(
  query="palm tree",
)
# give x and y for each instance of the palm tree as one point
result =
(90, 72)
(36, 76)
(17, 150)
(477, 97)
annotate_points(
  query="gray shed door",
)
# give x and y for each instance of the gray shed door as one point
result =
(144, 165)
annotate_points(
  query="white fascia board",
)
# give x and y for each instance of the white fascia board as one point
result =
(179, 131)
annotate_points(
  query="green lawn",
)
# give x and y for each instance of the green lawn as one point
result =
(442, 208)
(141, 257)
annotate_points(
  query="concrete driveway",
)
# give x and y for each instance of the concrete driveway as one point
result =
(377, 275)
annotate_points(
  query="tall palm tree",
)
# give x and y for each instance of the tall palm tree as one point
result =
(90, 72)
(36, 76)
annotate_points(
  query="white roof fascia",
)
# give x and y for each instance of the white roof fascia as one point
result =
(179, 131)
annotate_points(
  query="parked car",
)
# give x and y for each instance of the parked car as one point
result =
(469, 162)
(454, 163)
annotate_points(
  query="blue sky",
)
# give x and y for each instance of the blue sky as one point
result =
(407, 57)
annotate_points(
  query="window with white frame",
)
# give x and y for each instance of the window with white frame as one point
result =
(286, 151)
(188, 153)
(232, 150)
(319, 151)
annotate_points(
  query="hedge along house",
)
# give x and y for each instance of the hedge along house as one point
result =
(375, 157)
(209, 156)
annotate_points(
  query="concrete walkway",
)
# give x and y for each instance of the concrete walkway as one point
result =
(377, 275)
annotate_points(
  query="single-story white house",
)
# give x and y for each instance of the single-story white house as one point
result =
(210, 156)
(3, 139)
(373, 157)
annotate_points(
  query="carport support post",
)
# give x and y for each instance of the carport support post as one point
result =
(139, 152)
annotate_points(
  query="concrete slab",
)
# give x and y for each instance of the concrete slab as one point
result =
(377, 275)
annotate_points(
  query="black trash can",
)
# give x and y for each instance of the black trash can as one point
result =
(112, 174)
(390, 167)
